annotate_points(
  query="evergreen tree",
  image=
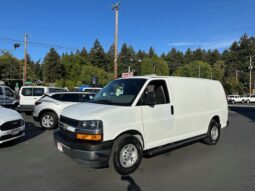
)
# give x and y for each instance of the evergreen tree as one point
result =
(188, 57)
(127, 58)
(97, 56)
(52, 67)
(152, 52)
(110, 59)
(84, 53)
(174, 59)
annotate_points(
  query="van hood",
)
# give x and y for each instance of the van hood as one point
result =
(8, 115)
(88, 111)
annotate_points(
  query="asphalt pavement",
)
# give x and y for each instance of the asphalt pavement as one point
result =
(33, 163)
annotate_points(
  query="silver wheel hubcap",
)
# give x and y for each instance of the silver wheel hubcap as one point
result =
(128, 155)
(47, 121)
(214, 133)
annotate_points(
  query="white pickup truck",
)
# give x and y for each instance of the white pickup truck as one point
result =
(236, 99)
(142, 115)
(12, 125)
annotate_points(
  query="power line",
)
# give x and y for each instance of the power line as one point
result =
(39, 44)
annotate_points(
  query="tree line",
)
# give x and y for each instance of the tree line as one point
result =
(231, 66)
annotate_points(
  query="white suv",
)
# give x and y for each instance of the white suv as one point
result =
(47, 109)
(12, 125)
(28, 95)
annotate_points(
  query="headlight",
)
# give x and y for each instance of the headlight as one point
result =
(91, 125)
(22, 122)
(90, 130)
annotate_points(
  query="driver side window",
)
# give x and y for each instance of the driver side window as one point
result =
(158, 88)
(9, 93)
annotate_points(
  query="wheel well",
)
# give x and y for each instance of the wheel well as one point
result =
(216, 118)
(44, 111)
(135, 133)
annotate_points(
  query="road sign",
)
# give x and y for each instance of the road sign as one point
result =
(127, 74)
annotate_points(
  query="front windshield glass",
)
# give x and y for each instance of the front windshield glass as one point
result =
(120, 92)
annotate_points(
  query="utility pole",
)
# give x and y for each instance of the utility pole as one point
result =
(199, 71)
(25, 60)
(116, 8)
(237, 75)
(250, 68)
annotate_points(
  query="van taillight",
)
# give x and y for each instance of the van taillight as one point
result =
(37, 102)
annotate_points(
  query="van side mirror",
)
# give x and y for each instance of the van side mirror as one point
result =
(149, 98)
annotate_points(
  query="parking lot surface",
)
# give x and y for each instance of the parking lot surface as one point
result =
(33, 163)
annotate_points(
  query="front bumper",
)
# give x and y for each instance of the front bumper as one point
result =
(6, 136)
(88, 153)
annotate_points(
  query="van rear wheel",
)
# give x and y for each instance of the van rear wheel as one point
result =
(49, 120)
(126, 154)
(213, 134)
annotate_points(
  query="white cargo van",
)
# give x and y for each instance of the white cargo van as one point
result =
(142, 115)
(28, 95)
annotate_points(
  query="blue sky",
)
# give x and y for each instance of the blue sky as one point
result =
(162, 24)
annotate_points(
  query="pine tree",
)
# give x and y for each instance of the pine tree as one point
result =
(127, 58)
(97, 56)
(52, 67)
(84, 53)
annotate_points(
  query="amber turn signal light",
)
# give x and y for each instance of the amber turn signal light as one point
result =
(97, 137)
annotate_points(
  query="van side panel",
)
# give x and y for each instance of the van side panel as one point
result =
(196, 101)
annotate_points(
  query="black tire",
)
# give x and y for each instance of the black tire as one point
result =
(214, 128)
(53, 120)
(119, 147)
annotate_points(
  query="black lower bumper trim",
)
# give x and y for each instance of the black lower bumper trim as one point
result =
(88, 153)
(26, 108)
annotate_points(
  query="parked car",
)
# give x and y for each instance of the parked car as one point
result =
(91, 89)
(28, 95)
(87, 88)
(12, 125)
(251, 99)
(142, 115)
(8, 97)
(235, 99)
(47, 109)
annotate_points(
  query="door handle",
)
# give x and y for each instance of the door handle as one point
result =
(172, 110)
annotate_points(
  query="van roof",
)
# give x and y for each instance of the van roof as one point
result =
(169, 77)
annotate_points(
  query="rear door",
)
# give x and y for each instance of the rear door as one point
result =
(26, 94)
(37, 94)
(158, 121)
(29, 95)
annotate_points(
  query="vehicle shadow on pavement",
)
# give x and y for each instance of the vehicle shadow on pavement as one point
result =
(248, 112)
(31, 131)
(132, 185)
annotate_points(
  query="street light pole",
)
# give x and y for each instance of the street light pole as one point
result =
(250, 68)
(116, 8)
(25, 59)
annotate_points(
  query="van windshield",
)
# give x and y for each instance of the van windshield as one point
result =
(120, 92)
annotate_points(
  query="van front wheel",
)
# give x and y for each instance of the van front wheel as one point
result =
(213, 134)
(126, 154)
